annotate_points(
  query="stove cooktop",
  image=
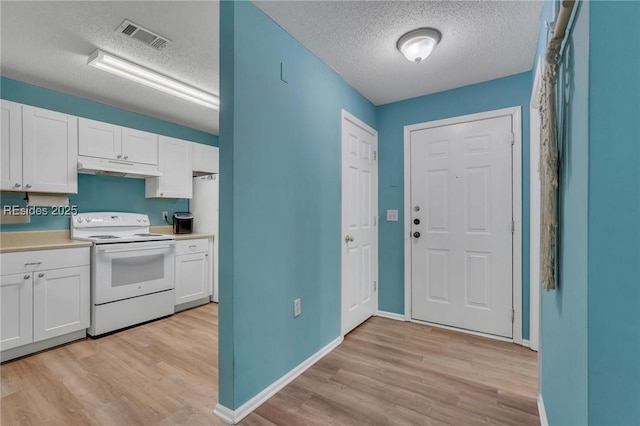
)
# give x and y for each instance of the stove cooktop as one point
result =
(113, 227)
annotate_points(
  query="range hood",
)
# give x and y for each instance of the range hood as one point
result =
(103, 166)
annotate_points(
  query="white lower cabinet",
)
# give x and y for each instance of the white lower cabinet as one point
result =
(16, 318)
(192, 272)
(44, 295)
(60, 302)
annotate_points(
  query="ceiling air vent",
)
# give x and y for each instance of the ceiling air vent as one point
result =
(149, 38)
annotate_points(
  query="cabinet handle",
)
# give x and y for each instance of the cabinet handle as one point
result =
(193, 247)
(33, 264)
(17, 185)
(126, 156)
(27, 186)
(206, 255)
(41, 274)
(119, 156)
(162, 194)
(26, 277)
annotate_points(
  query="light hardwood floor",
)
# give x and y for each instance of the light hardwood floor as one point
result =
(165, 373)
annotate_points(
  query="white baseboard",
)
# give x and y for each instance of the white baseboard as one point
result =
(234, 416)
(542, 412)
(391, 315)
(526, 343)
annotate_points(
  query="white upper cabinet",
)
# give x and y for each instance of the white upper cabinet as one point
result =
(139, 146)
(174, 162)
(11, 131)
(39, 150)
(205, 159)
(112, 142)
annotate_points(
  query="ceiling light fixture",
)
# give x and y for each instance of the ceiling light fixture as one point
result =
(416, 45)
(142, 75)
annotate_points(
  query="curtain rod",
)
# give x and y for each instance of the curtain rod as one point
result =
(563, 19)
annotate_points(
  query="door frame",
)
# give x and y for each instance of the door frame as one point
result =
(534, 211)
(347, 116)
(515, 113)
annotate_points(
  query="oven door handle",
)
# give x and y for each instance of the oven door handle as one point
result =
(107, 250)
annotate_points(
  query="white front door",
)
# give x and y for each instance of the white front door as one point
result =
(461, 225)
(359, 222)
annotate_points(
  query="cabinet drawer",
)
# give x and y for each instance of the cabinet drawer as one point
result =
(40, 260)
(192, 246)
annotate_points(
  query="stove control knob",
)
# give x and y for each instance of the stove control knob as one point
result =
(139, 218)
(145, 220)
(80, 219)
(88, 219)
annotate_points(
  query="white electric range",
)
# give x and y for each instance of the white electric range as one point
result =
(132, 270)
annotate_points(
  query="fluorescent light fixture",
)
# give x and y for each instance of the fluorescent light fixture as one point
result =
(142, 75)
(416, 45)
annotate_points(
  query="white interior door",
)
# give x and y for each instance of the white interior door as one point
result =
(359, 222)
(462, 225)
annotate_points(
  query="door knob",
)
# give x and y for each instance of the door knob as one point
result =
(26, 277)
(17, 185)
(41, 274)
(27, 186)
(416, 235)
(416, 221)
(348, 239)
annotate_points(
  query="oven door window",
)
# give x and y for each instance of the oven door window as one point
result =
(135, 270)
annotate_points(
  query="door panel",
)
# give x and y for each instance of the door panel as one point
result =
(16, 314)
(359, 230)
(461, 193)
(11, 136)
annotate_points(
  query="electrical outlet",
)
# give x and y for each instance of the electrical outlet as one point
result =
(165, 215)
(297, 309)
(392, 215)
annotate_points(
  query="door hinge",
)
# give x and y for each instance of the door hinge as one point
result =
(513, 139)
(513, 315)
(375, 155)
(375, 286)
(513, 226)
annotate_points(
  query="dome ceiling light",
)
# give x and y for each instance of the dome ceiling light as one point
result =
(416, 45)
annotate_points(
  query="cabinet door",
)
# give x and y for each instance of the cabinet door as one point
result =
(11, 131)
(192, 273)
(98, 139)
(60, 302)
(139, 146)
(205, 158)
(49, 151)
(174, 161)
(15, 316)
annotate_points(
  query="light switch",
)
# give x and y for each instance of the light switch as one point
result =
(392, 215)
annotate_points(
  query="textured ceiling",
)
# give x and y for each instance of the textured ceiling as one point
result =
(46, 43)
(481, 40)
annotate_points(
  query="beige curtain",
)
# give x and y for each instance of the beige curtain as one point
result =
(549, 168)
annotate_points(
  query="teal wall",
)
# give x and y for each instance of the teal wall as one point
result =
(590, 347)
(563, 346)
(502, 93)
(280, 151)
(614, 214)
(98, 193)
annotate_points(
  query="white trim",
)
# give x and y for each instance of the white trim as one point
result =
(534, 210)
(463, 330)
(232, 417)
(347, 116)
(516, 114)
(390, 315)
(544, 421)
(526, 343)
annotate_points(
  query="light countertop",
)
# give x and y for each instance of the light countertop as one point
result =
(59, 239)
(38, 240)
(169, 231)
